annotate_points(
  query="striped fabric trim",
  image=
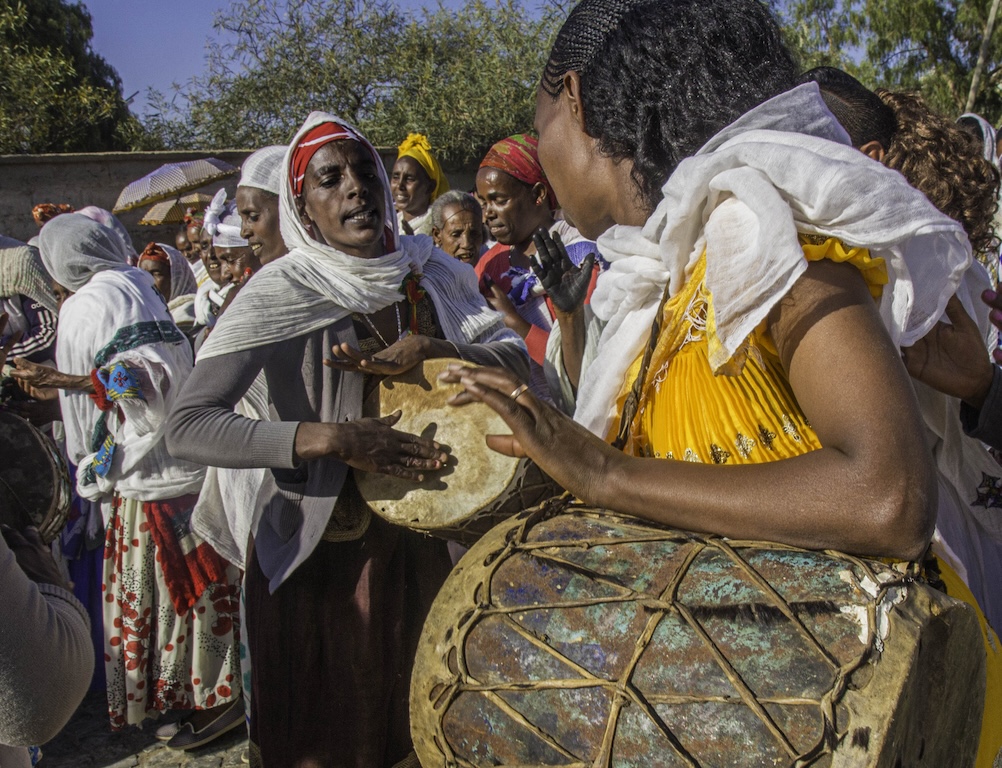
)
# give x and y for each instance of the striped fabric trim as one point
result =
(138, 335)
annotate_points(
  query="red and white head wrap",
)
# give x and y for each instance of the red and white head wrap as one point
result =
(310, 143)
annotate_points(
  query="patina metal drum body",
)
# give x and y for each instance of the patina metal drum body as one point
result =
(478, 489)
(34, 481)
(569, 636)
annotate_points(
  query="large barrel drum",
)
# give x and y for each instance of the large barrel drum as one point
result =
(569, 636)
(35, 484)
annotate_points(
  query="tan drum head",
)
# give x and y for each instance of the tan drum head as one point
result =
(475, 476)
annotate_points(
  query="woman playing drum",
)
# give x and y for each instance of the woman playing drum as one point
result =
(335, 597)
(795, 269)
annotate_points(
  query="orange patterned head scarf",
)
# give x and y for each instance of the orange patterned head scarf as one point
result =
(44, 212)
(154, 252)
(518, 157)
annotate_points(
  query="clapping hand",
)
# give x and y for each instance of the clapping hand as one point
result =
(565, 284)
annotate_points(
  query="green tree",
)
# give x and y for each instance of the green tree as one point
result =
(930, 46)
(56, 94)
(465, 78)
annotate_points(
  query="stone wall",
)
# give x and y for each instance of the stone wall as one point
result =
(98, 178)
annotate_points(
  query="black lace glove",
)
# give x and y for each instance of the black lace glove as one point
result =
(565, 284)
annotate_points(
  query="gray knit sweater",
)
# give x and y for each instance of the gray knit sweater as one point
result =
(296, 500)
(46, 660)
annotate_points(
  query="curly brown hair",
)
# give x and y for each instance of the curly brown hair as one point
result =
(944, 162)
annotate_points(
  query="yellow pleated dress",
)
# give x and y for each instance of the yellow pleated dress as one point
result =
(686, 413)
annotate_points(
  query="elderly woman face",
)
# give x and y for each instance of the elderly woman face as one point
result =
(342, 200)
(260, 224)
(160, 271)
(461, 235)
(411, 187)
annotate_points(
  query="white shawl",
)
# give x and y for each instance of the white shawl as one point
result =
(784, 167)
(315, 284)
(98, 326)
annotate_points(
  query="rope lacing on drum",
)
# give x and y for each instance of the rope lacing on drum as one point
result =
(623, 690)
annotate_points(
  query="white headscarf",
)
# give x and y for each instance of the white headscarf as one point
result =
(223, 222)
(182, 279)
(116, 315)
(316, 285)
(263, 169)
(74, 248)
(110, 220)
(782, 168)
(988, 145)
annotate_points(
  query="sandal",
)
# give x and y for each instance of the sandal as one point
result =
(188, 738)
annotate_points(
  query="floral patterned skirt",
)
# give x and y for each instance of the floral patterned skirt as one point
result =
(154, 658)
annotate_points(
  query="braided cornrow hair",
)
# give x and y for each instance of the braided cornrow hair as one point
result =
(660, 77)
(944, 162)
(858, 109)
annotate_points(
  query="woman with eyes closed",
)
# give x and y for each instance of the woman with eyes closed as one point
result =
(335, 596)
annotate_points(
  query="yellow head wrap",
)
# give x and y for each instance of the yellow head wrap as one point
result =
(416, 145)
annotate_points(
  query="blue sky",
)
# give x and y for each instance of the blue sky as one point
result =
(155, 44)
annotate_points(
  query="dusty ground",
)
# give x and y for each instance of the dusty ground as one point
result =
(88, 742)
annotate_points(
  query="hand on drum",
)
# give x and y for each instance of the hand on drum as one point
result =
(396, 358)
(539, 430)
(372, 445)
(33, 556)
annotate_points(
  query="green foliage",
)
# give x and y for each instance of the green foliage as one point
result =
(56, 94)
(465, 78)
(929, 46)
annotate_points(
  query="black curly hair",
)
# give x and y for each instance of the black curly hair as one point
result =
(660, 77)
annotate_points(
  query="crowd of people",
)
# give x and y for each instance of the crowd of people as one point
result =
(652, 286)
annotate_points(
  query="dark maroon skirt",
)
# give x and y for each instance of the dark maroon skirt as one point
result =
(332, 649)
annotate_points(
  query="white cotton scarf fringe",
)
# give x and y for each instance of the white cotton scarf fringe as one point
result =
(315, 285)
(221, 514)
(783, 168)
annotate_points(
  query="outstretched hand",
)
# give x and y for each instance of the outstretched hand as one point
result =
(565, 284)
(397, 358)
(952, 358)
(39, 381)
(565, 450)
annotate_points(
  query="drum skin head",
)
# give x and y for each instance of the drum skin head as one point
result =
(572, 636)
(475, 475)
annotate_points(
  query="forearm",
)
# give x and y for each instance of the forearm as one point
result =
(504, 353)
(203, 428)
(573, 335)
(983, 421)
(820, 500)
